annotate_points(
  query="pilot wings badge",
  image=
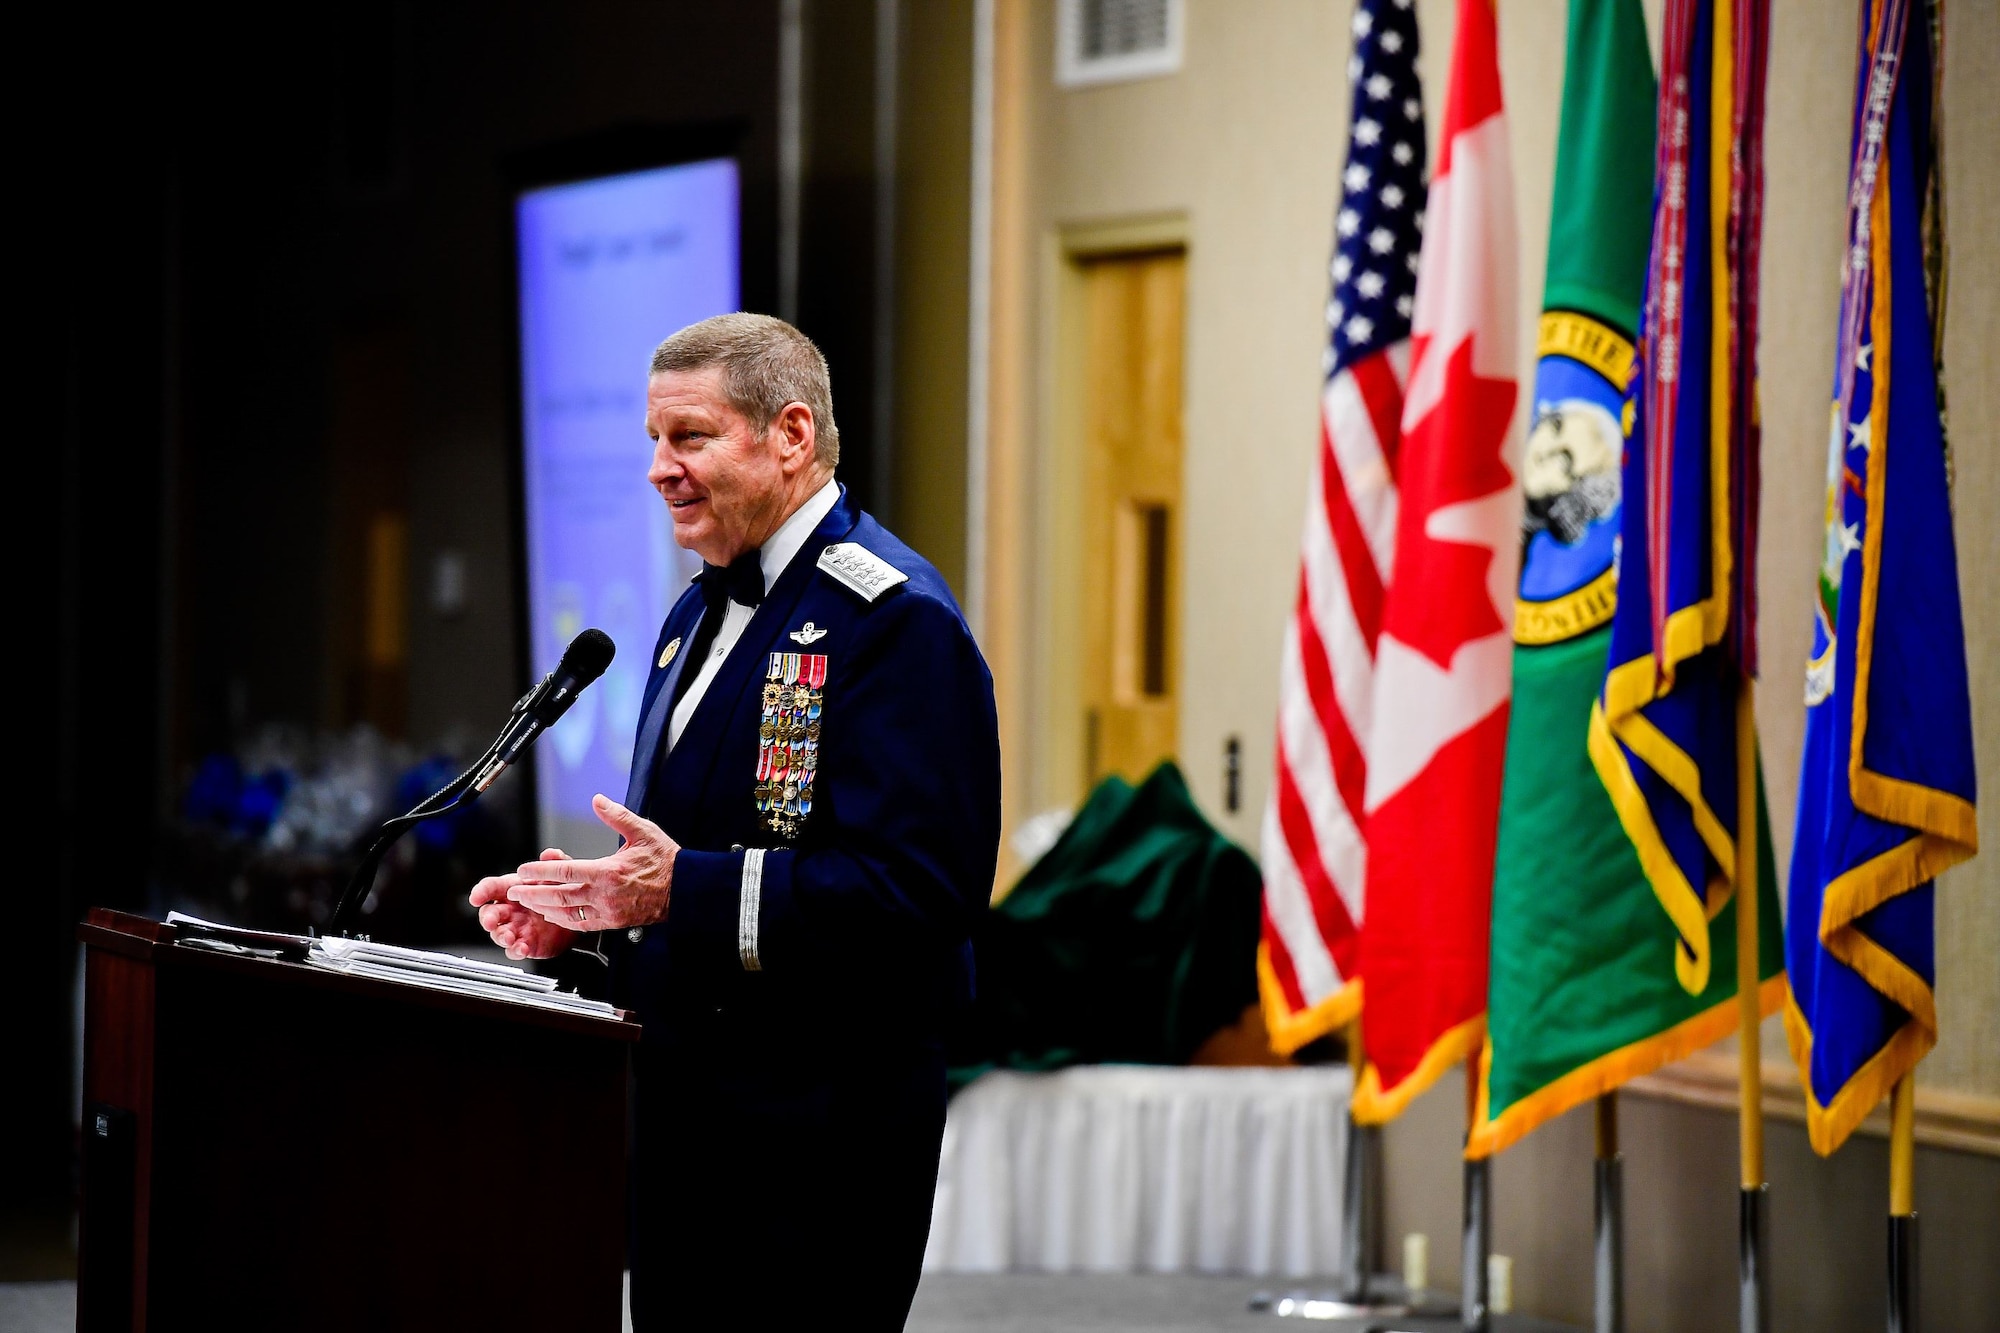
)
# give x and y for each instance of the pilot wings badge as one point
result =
(788, 738)
(808, 635)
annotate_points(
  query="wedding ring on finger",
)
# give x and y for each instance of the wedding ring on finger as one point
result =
(582, 913)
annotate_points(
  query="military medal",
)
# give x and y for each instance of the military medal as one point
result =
(788, 739)
(770, 777)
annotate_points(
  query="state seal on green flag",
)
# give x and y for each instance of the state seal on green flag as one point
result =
(1583, 992)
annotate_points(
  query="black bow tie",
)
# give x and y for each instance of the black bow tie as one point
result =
(742, 582)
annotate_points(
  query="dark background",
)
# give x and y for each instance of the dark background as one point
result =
(266, 282)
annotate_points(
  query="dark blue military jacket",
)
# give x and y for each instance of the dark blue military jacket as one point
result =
(867, 897)
(788, 1116)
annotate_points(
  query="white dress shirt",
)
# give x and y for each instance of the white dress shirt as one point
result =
(771, 559)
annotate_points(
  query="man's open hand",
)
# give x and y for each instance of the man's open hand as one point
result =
(630, 887)
(522, 933)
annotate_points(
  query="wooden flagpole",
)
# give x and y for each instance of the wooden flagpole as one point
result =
(1903, 1205)
(1753, 1309)
(1903, 1147)
(1750, 1018)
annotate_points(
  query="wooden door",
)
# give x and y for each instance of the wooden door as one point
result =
(1133, 333)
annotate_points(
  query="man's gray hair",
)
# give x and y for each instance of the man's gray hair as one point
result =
(766, 363)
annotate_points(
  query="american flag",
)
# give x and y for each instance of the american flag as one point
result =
(1313, 853)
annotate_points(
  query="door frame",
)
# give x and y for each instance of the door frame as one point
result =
(1058, 751)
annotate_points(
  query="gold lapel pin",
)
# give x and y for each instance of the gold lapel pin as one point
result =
(667, 653)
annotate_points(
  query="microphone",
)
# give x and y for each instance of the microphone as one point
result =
(588, 654)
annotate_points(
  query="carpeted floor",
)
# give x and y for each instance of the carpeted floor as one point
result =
(958, 1303)
(38, 1307)
(1020, 1302)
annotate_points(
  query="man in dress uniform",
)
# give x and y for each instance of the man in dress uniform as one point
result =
(809, 834)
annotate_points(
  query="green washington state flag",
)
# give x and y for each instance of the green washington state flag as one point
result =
(1583, 992)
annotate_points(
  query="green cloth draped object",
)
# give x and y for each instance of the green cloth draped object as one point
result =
(1132, 941)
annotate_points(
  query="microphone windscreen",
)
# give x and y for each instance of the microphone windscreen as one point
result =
(587, 656)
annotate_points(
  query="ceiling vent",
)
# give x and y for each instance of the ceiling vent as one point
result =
(1109, 41)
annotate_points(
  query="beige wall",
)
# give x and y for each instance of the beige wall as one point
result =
(1968, 1055)
(1242, 147)
(1239, 155)
(1828, 1233)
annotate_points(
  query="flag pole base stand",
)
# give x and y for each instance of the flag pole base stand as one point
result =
(1384, 1297)
(1359, 1210)
(1608, 1309)
(1903, 1273)
(1753, 1288)
(1474, 1299)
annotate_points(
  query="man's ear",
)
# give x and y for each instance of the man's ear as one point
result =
(797, 438)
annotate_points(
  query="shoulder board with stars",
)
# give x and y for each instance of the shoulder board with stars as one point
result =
(860, 570)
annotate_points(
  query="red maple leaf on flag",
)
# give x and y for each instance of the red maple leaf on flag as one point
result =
(1456, 449)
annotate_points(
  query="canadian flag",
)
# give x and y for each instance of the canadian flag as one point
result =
(1443, 668)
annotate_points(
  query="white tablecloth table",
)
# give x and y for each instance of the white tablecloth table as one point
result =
(1140, 1169)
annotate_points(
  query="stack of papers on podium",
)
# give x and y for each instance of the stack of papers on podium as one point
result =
(449, 972)
(236, 939)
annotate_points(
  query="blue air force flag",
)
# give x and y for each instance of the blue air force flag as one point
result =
(1664, 731)
(1886, 788)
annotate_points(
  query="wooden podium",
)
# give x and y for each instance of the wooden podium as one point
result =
(273, 1145)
